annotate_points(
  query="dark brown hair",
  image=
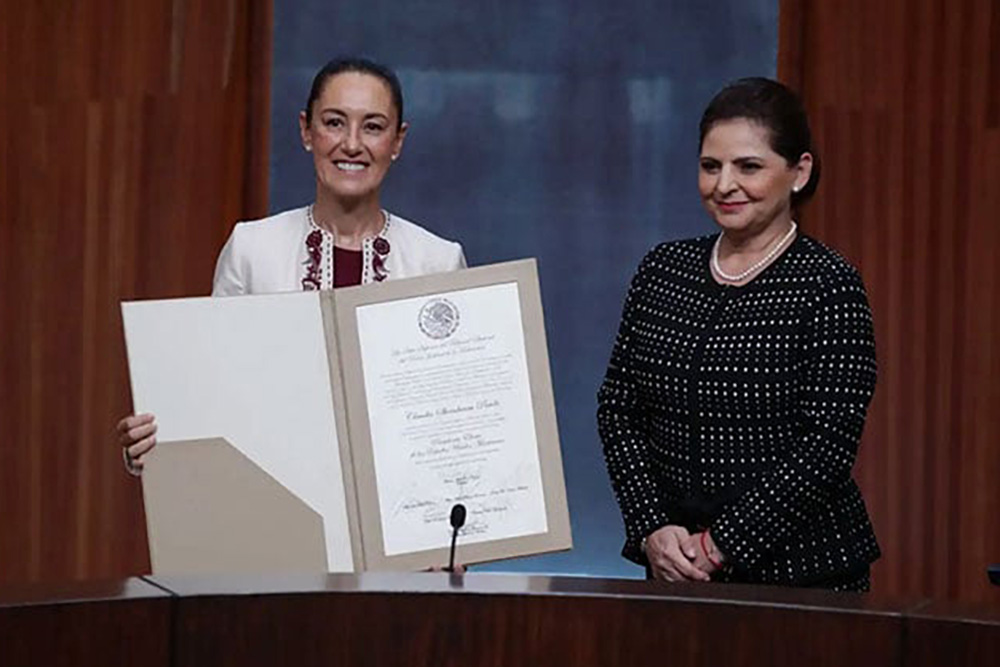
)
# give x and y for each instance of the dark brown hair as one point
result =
(774, 106)
(363, 66)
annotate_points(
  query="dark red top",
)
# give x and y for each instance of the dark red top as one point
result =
(346, 267)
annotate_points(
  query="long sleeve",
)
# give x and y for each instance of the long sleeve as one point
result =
(229, 279)
(623, 430)
(838, 373)
(459, 261)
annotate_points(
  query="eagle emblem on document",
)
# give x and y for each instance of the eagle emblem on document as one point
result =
(438, 318)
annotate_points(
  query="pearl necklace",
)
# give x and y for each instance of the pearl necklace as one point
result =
(739, 277)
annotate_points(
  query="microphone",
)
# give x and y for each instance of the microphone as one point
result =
(457, 521)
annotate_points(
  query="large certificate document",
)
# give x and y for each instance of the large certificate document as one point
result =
(438, 393)
(449, 400)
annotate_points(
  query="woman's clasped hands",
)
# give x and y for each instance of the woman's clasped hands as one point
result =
(674, 554)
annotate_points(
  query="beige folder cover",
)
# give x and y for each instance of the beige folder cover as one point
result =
(210, 509)
(257, 371)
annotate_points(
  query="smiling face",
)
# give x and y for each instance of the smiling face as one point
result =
(354, 135)
(744, 184)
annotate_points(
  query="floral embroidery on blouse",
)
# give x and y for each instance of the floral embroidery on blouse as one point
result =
(319, 244)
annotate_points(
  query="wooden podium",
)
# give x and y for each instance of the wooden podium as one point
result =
(378, 619)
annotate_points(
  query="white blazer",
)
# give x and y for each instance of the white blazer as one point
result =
(270, 255)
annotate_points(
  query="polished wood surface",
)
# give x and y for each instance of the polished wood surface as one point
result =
(132, 137)
(472, 584)
(100, 590)
(480, 619)
(90, 623)
(950, 633)
(903, 96)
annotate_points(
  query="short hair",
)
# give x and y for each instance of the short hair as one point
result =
(777, 108)
(362, 66)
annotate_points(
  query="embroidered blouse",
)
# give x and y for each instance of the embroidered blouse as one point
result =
(287, 252)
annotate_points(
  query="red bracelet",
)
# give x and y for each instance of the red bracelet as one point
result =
(716, 564)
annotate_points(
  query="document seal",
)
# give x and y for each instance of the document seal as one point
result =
(438, 318)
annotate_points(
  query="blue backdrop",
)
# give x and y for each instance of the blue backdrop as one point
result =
(561, 130)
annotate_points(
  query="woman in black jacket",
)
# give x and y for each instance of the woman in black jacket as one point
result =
(739, 382)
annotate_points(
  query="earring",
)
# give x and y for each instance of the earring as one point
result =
(394, 157)
(308, 148)
(796, 188)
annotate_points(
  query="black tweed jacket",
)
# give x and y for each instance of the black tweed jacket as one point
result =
(740, 409)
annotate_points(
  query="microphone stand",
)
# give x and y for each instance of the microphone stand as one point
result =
(457, 521)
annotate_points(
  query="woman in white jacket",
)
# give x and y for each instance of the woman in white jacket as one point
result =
(353, 127)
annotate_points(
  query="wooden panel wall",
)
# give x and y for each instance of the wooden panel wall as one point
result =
(132, 136)
(904, 97)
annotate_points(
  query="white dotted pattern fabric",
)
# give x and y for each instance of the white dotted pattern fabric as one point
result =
(740, 409)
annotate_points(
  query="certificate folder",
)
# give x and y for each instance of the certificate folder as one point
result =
(376, 407)
(207, 507)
